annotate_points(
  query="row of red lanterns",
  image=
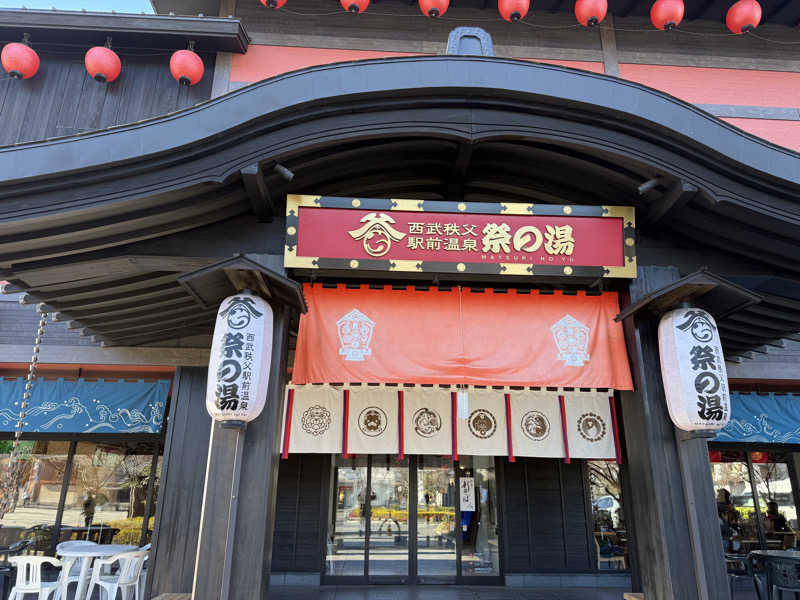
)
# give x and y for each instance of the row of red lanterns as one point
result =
(102, 63)
(742, 16)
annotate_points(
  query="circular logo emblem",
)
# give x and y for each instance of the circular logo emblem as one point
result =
(591, 427)
(316, 420)
(427, 422)
(372, 421)
(482, 423)
(535, 425)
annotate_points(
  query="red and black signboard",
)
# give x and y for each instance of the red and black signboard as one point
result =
(325, 232)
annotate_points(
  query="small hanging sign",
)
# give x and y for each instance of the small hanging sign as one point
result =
(239, 365)
(467, 487)
(693, 370)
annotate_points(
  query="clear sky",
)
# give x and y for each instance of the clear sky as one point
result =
(120, 6)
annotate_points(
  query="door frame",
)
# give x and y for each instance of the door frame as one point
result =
(412, 577)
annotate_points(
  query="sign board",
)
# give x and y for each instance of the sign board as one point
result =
(325, 232)
(239, 364)
(467, 497)
(693, 370)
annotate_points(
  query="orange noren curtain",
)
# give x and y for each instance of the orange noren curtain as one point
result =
(461, 337)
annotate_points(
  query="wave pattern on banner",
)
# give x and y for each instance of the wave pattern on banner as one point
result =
(86, 406)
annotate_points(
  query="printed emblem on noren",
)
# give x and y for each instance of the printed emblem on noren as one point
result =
(372, 421)
(535, 425)
(427, 422)
(592, 427)
(482, 423)
(316, 420)
(355, 331)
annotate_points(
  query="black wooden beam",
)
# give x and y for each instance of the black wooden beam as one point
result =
(211, 34)
(791, 319)
(458, 173)
(676, 197)
(699, 9)
(258, 193)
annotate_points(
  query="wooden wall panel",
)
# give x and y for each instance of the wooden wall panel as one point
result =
(546, 517)
(719, 86)
(516, 519)
(262, 62)
(783, 133)
(63, 100)
(300, 529)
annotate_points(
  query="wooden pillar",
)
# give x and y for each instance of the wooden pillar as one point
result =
(174, 544)
(678, 543)
(251, 543)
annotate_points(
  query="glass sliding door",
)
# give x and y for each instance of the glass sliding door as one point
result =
(436, 519)
(346, 541)
(480, 550)
(395, 521)
(389, 516)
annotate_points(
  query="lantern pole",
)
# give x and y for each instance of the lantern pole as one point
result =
(241, 427)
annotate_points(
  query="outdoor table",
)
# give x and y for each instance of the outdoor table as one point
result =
(766, 555)
(89, 553)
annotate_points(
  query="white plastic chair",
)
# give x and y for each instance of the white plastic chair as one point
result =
(29, 577)
(143, 574)
(70, 566)
(127, 577)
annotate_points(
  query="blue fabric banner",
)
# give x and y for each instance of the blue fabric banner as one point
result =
(771, 418)
(85, 406)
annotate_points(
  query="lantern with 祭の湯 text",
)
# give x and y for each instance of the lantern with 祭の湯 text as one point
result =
(693, 370)
(239, 365)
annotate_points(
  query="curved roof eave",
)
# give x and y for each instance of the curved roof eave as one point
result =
(421, 76)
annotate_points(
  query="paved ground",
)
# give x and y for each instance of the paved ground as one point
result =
(744, 591)
(441, 593)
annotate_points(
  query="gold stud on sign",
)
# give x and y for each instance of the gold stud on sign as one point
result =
(9, 488)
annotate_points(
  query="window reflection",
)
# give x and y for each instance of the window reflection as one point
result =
(107, 493)
(610, 530)
(347, 529)
(37, 488)
(479, 527)
(436, 542)
(775, 499)
(736, 510)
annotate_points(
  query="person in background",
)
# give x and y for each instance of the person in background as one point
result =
(775, 522)
(88, 509)
(725, 509)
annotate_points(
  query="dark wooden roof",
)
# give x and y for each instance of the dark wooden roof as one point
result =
(774, 11)
(74, 28)
(72, 210)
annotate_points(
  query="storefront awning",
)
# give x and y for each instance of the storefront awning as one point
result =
(461, 336)
(770, 418)
(85, 406)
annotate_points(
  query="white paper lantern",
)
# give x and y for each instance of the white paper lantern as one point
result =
(693, 370)
(239, 365)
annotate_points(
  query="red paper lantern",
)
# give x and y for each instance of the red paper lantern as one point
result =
(743, 16)
(355, 6)
(19, 60)
(667, 14)
(273, 3)
(759, 457)
(186, 67)
(103, 64)
(434, 8)
(590, 12)
(513, 10)
(715, 456)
